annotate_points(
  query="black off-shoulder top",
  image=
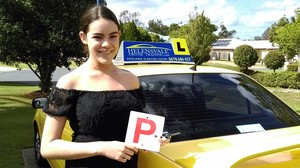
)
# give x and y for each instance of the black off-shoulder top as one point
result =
(96, 115)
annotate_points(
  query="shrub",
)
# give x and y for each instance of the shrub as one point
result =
(284, 79)
(274, 60)
(293, 67)
(245, 56)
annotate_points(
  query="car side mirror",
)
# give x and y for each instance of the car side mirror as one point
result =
(39, 102)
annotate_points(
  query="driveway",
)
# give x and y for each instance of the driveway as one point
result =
(26, 75)
(28, 157)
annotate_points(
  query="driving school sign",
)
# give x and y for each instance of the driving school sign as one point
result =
(155, 52)
(144, 130)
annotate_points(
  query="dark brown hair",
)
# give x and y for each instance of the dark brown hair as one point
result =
(92, 14)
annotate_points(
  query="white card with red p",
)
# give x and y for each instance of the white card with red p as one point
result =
(144, 130)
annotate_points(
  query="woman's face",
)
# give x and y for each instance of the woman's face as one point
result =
(102, 40)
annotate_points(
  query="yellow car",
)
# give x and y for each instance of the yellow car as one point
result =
(217, 118)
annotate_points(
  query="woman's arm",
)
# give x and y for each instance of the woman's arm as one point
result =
(53, 147)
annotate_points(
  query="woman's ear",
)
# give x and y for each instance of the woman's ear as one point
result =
(83, 37)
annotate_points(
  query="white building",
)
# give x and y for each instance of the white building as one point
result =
(223, 48)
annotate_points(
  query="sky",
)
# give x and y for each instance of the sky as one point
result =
(249, 18)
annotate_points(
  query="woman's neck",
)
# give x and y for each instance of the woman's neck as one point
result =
(99, 67)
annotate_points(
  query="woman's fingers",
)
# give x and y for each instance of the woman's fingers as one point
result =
(125, 158)
(128, 151)
(163, 141)
(131, 149)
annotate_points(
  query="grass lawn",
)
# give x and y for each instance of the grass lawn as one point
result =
(290, 96)
(22, 65)
(16, 116)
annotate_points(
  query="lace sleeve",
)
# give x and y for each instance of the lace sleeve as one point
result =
(61, 102)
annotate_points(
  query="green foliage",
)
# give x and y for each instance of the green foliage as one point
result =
(274, 60)
(273, 31)
(181, 32)
(155, 38)
(129, 31)
(158, 27)
(287, 34)
(132, 30)
(245, 56)
(174, 27)
(289, 39)
(284, 79)
(145, 35)
(224, 33)
(42, 33)
(293, 67)
(200, 37)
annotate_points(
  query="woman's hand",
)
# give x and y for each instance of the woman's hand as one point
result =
(166, 137)
(164, 140)
(118, 151)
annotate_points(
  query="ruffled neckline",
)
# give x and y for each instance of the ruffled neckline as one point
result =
(92, 91)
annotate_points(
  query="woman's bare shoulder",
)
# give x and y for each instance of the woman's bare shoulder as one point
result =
(132, 78)
(69, 80)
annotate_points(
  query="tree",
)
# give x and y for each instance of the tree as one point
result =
(288, 39)
(145, 36)
(126, 17)
(258, 38)
(177, 31)
(158, 27)
(200, 37)
(224, 33)
(274, 60)
(273, 30)
(174, 27)
(265, 35)
(129, 31)
(288, 36)
(132, 28)
(40, 33)
(155, 38)
(245, 56)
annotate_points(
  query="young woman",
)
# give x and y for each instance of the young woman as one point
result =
(96, 98)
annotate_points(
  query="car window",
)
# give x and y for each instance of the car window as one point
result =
(207, 105)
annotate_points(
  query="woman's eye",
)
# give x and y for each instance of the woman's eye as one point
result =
(97, 37)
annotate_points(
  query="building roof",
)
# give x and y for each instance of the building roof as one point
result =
(234, 43)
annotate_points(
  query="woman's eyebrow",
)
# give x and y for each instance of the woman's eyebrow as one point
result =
(114, 33)
(101, 34)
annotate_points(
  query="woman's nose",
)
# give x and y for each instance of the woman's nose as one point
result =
(105, 43)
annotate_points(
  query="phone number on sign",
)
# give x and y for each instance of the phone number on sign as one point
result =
(182, 59)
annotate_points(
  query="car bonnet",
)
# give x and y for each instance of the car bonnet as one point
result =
(267, 148)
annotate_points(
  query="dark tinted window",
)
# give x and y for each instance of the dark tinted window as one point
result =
(207, 105)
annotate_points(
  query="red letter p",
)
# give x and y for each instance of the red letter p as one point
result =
(139, 131)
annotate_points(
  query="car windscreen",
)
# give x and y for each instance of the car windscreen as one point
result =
(214, 104)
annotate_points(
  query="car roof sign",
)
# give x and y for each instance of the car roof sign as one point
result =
(153, 52)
